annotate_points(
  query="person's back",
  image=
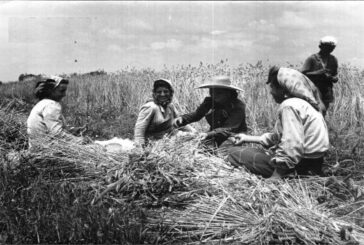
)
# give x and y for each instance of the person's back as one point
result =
(315, 138)
(300, 137)
(44, 109)
(45, 120)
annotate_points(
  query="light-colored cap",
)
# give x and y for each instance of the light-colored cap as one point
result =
(57, 79)
(162, 82)
(328, 40)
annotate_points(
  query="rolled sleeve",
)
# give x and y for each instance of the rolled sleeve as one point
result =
(270, 139)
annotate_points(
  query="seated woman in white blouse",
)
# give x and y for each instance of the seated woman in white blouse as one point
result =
(156, 116)
(300, 139)
(45, 119)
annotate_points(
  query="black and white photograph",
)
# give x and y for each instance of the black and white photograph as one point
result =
(182, 122)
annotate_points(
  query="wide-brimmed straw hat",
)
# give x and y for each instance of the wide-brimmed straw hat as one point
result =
(220, 82)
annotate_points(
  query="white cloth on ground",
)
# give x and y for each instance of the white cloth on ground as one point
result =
(116, 145)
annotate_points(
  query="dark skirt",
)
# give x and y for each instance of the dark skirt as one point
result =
(257, 161)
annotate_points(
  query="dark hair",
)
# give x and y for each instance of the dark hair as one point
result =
(44, 88)
(272, 75)
(327, 45)
(233, 93)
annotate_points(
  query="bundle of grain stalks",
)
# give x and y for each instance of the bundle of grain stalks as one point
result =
(183, 193)
(264, 213)
(12, 129)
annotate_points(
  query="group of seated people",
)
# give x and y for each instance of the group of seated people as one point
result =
(298, 143)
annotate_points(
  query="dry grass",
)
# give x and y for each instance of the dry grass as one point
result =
(173, 192)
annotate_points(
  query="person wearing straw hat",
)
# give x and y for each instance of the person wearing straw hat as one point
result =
(46, 119)
(156, 115)
(322, 68)
(223, 111)
(300, 138)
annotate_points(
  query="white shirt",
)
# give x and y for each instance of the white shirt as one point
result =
(153, 121)
(300, 132)
(46, 119)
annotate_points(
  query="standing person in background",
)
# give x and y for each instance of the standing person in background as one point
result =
(223, 111)
(156, 115)
(322, 68)
(46, 117)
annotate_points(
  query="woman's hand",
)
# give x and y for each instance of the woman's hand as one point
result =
(202, 136)
(239, 139)
(87, 140)
(332, 78)
(78, 130)
(177, 122)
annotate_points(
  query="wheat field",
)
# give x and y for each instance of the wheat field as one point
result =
(173, 193)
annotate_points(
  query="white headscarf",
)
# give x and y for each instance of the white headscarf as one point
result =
(328, 40)
(300, 86)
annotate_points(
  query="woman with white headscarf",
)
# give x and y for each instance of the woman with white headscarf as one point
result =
(300, 138)
(157, 114)
(45, 119)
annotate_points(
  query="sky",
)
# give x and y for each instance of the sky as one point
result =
(53, 37)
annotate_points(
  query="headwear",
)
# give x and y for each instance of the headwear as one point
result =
(298, 85)
(273, 71)
(220, 82)
(57, 79)
(46, 84)
(51, 80)
(328, 40)
(162, 82)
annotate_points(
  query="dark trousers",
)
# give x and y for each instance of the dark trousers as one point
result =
(257, 161)
(327, 95)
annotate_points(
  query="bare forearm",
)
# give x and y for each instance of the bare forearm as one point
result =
(253, 139)
(239, 139)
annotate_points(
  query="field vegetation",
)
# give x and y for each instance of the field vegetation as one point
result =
(173, 192)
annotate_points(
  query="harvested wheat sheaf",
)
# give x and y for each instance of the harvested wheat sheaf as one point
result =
(172, 193)
(196, 197)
